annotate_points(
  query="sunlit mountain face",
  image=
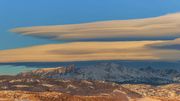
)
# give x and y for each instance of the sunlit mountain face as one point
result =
(89, 50)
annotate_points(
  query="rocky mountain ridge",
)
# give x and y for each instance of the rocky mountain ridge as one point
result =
(110, 72)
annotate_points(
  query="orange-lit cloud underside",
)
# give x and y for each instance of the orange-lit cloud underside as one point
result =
(87, 51)
(154, 29)
(150, 28)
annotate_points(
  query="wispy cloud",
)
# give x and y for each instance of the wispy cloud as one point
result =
(163, 27)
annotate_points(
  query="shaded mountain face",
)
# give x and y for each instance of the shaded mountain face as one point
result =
(110, 72)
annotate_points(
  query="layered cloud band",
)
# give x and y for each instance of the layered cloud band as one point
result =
(156, 38)
(157, 28)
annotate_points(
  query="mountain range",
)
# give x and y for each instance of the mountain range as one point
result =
(103, 81)
(111, 72)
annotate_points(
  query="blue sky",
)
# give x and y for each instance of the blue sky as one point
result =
(22, 13)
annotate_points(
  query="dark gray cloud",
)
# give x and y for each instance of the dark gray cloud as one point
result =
(171, 44)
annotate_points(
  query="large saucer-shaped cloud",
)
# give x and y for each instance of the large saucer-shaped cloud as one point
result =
(157, 28)
(90, 51)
